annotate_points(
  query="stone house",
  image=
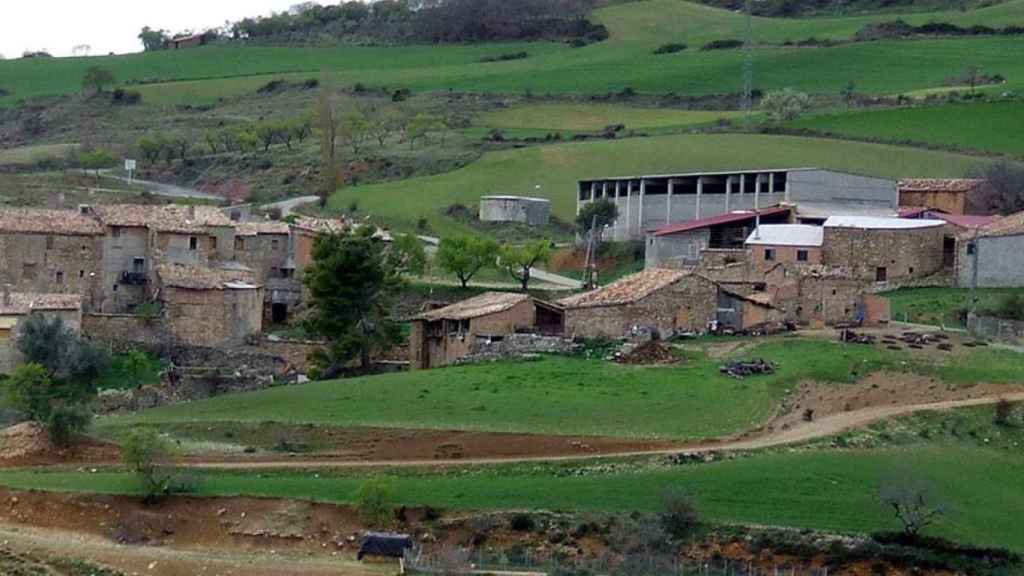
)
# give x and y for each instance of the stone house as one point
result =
(950, 195)
(682, 245)
(441, 337)
(50, 251)
(17, 306)
(789, 244)
(268, 248)
(209, 307)
(883, 250)
(992, 256)
(657, 299)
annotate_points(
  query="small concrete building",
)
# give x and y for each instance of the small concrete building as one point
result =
(210, 307)
(441, 337)
(790, 244)
(521, 209)
(950, 195)
(681, 245)
(15, 307)
(649, 202)
(883, 250)
(662, 300)
(992, 256)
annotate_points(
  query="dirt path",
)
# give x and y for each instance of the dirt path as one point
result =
(768, 437)
(170, 561)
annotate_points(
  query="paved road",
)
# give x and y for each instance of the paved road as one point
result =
(166, 190)
(291, 204)
(550, 278)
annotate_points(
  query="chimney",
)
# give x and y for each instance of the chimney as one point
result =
(7, 294)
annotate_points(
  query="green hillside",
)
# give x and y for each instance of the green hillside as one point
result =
(625, 60)
(557, 168)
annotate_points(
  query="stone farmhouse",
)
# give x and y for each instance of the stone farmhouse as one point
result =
(15, 307)
(949, 195)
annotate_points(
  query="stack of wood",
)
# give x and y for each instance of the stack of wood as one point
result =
(743, 368)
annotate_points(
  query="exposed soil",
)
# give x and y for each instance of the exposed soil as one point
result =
(27, 444)
(649, 353)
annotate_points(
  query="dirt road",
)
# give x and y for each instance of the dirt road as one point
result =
(767, 437)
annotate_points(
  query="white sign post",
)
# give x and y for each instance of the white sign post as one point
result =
(129, 166)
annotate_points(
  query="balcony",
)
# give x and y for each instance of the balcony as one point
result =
(133, 278)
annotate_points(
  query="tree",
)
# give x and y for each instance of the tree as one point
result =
(374, 500)
(151, 148)
(267, 132)
(464, 256)
(146, 454)
(596, 215)
(407, 254)
(520, 260)
(1003, 191)
(153, 39)
(33, 392)
(355, 130)
(382, 122)
(65, 355)
(97, 159)
(351, 283)
(331, 175)
(912, 503)
(973, 73)
(679, 514)
(848, 93)
(421, 126)
(97, 77)
(786, 104)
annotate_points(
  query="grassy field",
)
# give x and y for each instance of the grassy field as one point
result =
(581, 117)
(25, 155)
(626, 60)
(941, 305)
(556, 169)
(989, 126)
(558, 395)
(831, 490)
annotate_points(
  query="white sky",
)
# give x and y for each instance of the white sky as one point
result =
(112, 25)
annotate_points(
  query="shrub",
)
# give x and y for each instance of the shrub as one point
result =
(147, 454)
(1004, 412)
(374, 501)
(679, 514)
(722, 44)
(522, 523)
(126, 97)
(65, 421)
(671, 48)
(506, 57)
(785, 105)
(401, 95)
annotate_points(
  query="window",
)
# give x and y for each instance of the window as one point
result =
(239, 243)
(115, 232)
(287, 272)
(213, 243)
(801, 255)
(138, 265)
(81, 273)
(28, 270)
(49, 242)
(881, 274)
(275, 244)
(115, 287)
(970, 249)
(769, 254)
(60, 277)
(193, 243)
(911, 269)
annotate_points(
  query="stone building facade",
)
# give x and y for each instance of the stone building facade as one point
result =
(204, 307)
(884, 250)
(15, 307)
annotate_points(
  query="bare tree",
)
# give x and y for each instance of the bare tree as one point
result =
(1003, 191)
(912, 502)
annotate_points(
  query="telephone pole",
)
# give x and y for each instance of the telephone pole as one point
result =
(748, 63)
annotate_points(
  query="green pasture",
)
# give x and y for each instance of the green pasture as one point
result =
(941, 305)
(584, 117)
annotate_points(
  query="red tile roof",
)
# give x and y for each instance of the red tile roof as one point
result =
(37, 221)
(730, 218)
(1011, 225)
(626, 290)
(199, 278)
(257, 228)
(964, 220)
(958, 185)
(167, 218)
(21, 304)
(483, 305)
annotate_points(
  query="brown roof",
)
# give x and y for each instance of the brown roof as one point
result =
(321, 225)
(482, 305)
(257, 228)
(1011, 225)
(167, 218)
(625, 290)
(21, 304)
(200, 278)
(958, 185)
(38, 221)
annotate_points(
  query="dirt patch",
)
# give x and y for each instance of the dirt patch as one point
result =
(649, 353)
(28, 444)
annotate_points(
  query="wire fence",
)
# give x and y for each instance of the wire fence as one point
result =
(454, 561)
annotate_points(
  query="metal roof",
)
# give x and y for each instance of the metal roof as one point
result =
(519, 198)
(876, 223)
(787, 235)
(730, 218)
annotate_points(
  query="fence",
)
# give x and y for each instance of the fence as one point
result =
(455, 561)
(1011, 331)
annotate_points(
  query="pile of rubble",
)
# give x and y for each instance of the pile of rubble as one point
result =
(850, 337)
(744, 368)
(917, 341)
(648, 353)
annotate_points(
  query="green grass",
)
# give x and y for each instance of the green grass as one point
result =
(124, 372)
(557, 168)
(941, 305)
(581, 117)
(624, 60)
(989, 126)
(30, 154)
(814, 489)
(558, 395)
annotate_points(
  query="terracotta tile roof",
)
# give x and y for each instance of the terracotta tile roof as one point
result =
(964, 220)
(321, 225)
(1011, 225)
(730, 218)
(21, 304)
(958, 185)
(38, 221)
(200, 278)
(482, 305)
(167, 218)
(257, 228)
(625, 290)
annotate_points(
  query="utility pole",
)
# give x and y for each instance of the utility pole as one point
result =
(748, 63)
(974, 273)
(589, 273)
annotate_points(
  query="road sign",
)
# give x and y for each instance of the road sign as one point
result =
(129, 165)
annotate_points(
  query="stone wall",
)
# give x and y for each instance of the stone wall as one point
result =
(904, 254)
(676, 250)
(686, 306)
(517, 346)
(124, 331)
(52, 264)
(213, 317)
(440, 343)
(1010, 331)
(295, 353)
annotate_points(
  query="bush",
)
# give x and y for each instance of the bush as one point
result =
(522, 523)
(722, 44)
(671, 48)
(147, 455)
(374, 501)
(126, 97)
(679, 516)
(505, 57)
(1004, 414)
(785, 105)
(65, 421)
(401, 95)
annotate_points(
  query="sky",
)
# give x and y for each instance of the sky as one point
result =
(112, 25)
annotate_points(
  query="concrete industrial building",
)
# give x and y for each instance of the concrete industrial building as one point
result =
(992, 256)
(649, 202)
(520, 209)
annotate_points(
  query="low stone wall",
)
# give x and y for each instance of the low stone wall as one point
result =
(122, 332)
(1011, 331)
(517, 345)
(295, 353)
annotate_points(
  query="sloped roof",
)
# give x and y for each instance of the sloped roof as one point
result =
(257, 228)
(200, 278)
(39, 221)
(1011, 225)
(958, 185)
(632, 288)
(730, 218)
(21, 304)
(964, 220)
(483, 305)
(321, 225)
(167, 218)
(787, 235)
(879, 223)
